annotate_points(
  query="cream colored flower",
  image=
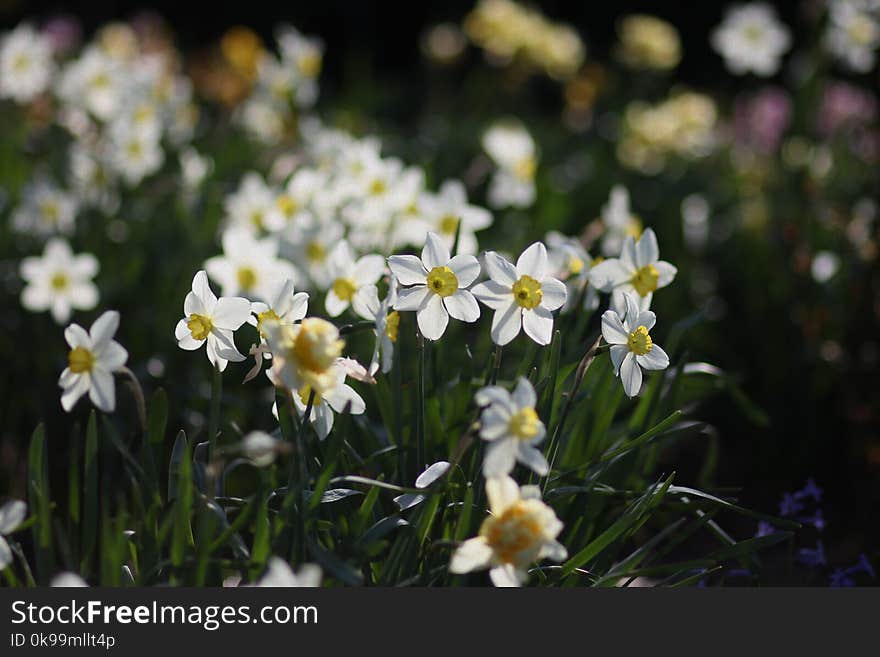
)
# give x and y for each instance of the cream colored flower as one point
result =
(93, 358)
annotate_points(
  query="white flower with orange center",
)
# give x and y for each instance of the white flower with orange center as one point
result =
(304, 354)
(520, 530)
(510, 424)
(91, 362)
(638, 271)
(59, 281)
(632, 348)
(349, 276)
(212, 322)
(523, 296)
(366, 304)
(436, 286)
(249, 266)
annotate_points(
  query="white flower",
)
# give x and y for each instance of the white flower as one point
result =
(194, 168)
(59, 281)
(513, 150)
(279, 574)
(26, 64)
(45, 209)
(68, 580)
(523, 296)
(310, 248)
(619, 222)
(632, 348)
(91, 362)
(284, 305)
(260, 448)
(211, 321)
(262, 119)
(135, 153)
(437, 286)
(336, 398)
(853, 35)
(431, 474)
(251, 206)
(292, 206)
(349, 276)
(520, 531)
(11, 516)
(304, 354)
(751, 39)
(570, 263)
(639, 271)
(249, 266)
(95, 82)
(512, 427)
(366, 304)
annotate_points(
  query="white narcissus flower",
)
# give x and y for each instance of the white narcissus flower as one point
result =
(619, 222)
(249, 266)
(520, 531)
(136, 152)
(260, 448)
(335, 398)
(513, 150)
(304, 354)
(211, 321)
(632, 348)
(437, 286)
(292, 205)
(366, 304)
(45, 209)
(93, 358)
(284, 305)
(310, 248)
(853, 34)
(570, 263)
(349, 276)
(523, 296)
(638, 271)
(11, 516)
(279, 574)
(59, 281)
(751, 39)
(251, 206)
(512, 427)
(26, 64)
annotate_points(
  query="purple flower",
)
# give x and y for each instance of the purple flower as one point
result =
(865, 566)
(761, 119)
(790, 505)
(817, 520)
(843, 105)
(841, 577)
(764, 529)
(812, 557)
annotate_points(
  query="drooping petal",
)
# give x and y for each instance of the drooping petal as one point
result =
(231, 312)
(462, 306)
(554, 293)
(656, 359)
(473, 554)
(433, 318)
(533, 459)
(432, 473)
(12, 514)
(435, 253)
(631, 375)
(104, 328)
(506, 323)
(102, 390)
(612, 328)
(505, 576)
(408, 269)
(533, 262)
(618, 353)
(647, 250)
(537, 323)
(524, 394)
(500, 270)
(466, 269)
(73, 392)
(223, 345)
(6, 553)
(343, 396)
(500, 458)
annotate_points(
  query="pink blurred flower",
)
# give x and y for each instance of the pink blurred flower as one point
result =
(64, 33)
(845, 105)
(761, 119)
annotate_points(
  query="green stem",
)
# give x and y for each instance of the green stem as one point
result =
(214, 413)
(496, 366)
(299, 464)
(420, 417)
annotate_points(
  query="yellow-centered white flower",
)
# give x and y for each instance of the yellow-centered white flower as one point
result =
(619, 222)
(284, 305)
(338, 398)
(349, 276)
(436, 286)
(637, 271)
(523, 296)
(510, 423)
(249, 266)
(211, 321)
(91, 362)
(632, 348)
(571, 264)
(520, 530)
(513, 150)
(366, 304)
(304, 354)
(751, 39)
(59, 281)
(26, 64)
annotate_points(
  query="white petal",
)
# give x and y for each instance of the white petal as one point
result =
(506, 324)
(612, 328)
(473, 554)
(408, 269)
(220, 341)
(231, 312)
(462, 306)
(628, 255)
(524, 394)
(73, 392)
(502, 492)
(618, 353)
(433, 318)
(113, 356)
(505, 576)
(334, 305)
(632, 312)
(12, 514)
(609, 273)
(432, 473)
(343, 395)
(369, 269)
(499, 269)
(666, 273)
(466, 269)
(435, 253)
(365, 302)
(631, 375)
(537, 323)
(104, 328)
(68, 580)
(656, 359)
(76, 336)
(533, 459)
(554, 551)
(6, 553)
(493, 294)
(491, 395)
(554, 293)
(185, 340)
(533, 262)
(202, 290)
(102, 391)
(500, 458)
(192, 305)
(413, 298)
(647, 251)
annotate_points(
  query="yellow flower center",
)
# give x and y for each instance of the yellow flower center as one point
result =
(645, 280)
(524, 423)
(442, 281)
(515, 530)
(378, 187)
(134, 149)
(640, 342)
(449, 224)
(575, 265)
(50, 211)
(310, 64)
(634, 227)
(267, 316)
(527, 292)
(257, 219)
(59, 281)
(344, 288)
(247, 278)
(287, 205)
(317, 345)
(304, 393)
(199, 326)
(392, 325)
(525, 169)
(21, 63)
(316, 252)
(595, 261)
(80, 360)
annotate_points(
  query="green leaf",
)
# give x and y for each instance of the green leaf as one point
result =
(90, 494)
(39, 503)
